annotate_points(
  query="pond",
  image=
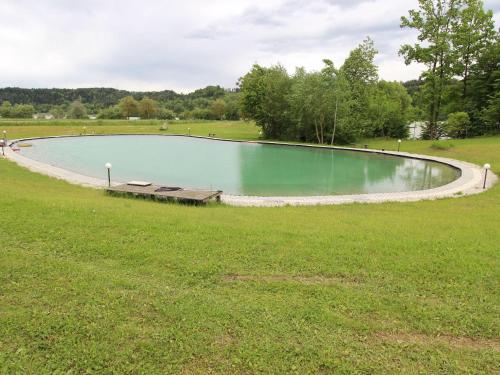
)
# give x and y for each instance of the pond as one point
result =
(239, 168)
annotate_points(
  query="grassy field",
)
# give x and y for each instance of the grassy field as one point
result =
(36, 128)
(98, 284)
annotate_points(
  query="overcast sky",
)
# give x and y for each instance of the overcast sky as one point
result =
(188, 44)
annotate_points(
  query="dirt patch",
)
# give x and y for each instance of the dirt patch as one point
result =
(225, 340)
(309, 280)
(449, 340)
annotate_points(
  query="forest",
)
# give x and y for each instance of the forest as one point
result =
(457, 95)
(209, 103)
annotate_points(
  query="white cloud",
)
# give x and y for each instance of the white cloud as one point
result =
(160, 44)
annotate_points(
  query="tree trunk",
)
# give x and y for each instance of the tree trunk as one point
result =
(316, 129)
(335, 119)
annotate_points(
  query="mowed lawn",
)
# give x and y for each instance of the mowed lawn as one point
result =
(97, 284)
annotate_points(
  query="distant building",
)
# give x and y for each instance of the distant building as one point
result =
(133, 118)
(43, 116)
(416, 129)
(92, 117)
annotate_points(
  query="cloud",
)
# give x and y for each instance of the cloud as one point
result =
(157, 44)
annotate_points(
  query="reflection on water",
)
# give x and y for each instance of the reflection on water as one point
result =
(240, 168)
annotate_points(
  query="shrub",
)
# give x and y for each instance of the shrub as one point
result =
(442, 145)
(457, 125)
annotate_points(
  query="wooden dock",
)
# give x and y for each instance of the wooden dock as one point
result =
(165, 193)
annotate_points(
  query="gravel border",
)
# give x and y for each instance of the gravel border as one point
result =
(469, 182)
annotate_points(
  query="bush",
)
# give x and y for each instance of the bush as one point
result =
(165, 114)
(442, 145)
(457, 125)
(110, 113)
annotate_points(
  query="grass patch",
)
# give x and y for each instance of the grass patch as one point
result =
(442, 145)
(93, 284)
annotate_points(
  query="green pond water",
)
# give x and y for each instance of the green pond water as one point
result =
(239, 168)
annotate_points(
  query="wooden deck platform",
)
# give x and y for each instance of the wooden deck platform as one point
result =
(166, 193)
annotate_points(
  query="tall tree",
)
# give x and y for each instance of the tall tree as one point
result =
(129, 106)
(147, 108)
(264, 98)
(472, 32)
(361, 73)
(433, 20)
(6, 109)
(390, 109)
(77, 110)
(219, 108)
(338, 100)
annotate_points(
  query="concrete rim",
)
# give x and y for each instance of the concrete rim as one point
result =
(470, 180)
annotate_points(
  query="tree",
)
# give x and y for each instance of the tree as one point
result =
(165, 114)
(457, 125)
(57, 111)
(390, 109)
(147, 108)
(340, 101)
(361, 74)
(110, 113)
(129, 106)
(471, 33)
(6, 109)
(22, 111)
(77, 110)
(232, 107)
(264, 98)
(485, 90)
(219, 108)
(433, 20)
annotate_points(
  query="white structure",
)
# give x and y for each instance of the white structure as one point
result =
(43, 116)
(416, 129)
(133, 118)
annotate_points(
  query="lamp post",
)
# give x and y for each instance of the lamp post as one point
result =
(108, 167)
(5, 136)
(486, 167)
(2, 143)
(189, 132)
(399, 144)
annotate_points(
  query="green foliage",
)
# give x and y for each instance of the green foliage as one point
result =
(471, 33)
(389, 109)
(332, 105)
(97, 100)
(147, 108)
(16, 111)
(456, 39)
(165, 114)
(264, 97)
(457, 125)
(129, 107)
(77, 110)
(433, 21)
(442, 145)
(110, 113)
(5, 109)
(57, 112)
(219, 109)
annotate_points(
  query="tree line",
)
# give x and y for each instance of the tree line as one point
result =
(331, 105)
(458, 94)
(210, 103)
(459, 91)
